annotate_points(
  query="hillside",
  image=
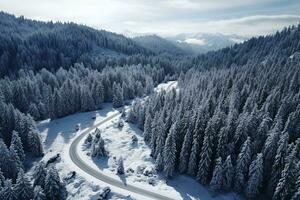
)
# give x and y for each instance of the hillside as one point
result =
(37, 44)
(199, 43)
(159, 45)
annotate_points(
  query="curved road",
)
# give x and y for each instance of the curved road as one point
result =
(97, 174)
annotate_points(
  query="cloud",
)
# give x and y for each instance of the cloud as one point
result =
(195, 41)
(164, 16)
(254, 25)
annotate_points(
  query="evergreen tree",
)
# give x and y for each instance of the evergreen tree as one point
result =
(39, 193)
(2, 180)
(7, 192)
(159, 164)
(217, 178)
(98, 148)
(228, 174)
(154, 131)
(35, 143)
(242, 165)
(296, 195)
(15, 163)
(204, 166)
(193, 159)
(23, 188)
(120, 168)
(148, 128)
(4, 159)
(160, 136)
(185, 152)
(117, 96)
(255, 177)
(278, 163)
(287, 181)
(16, 144)
(52, 184)
(169, 154)
(39, 175)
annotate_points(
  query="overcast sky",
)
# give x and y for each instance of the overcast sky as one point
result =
(165, 17)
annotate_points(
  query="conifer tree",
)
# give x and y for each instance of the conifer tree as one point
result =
(148, 128)
(185, 152)
(23, 188)
(287, 181)
(217, 178)
(278, 163)
(242, 165)
(16, 144)
(228, 174)
(4, 159)
(169, 154)
(39, 193)
(8, 192)
(159, 164)
(120, 167)
(52, 184)
(15, 164)
(39, 175)
(204, 166)
(254, 183)
(193, 159)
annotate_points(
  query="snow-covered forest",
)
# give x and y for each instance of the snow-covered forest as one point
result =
(235, 127)
(233, 122)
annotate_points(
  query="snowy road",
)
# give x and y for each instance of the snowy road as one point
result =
(97, 174)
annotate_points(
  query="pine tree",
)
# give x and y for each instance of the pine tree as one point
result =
(35, 143)
(278, 163)
(4, 159)
(228, 174)
(39, 175)
(204, 166)
(169, 154)
(23, 188)
(160, 136)
(16, 144)
(2, 179)
(185, 152)
(287, 181)
(52, 184)
(159, 163)
(98, 149)
(117, 96)
(255, 177)
(15, 163)
(242, 165)
(148, 128)
(154, 134)
(7, 192)
(217, 178)
(39, 193)
(296, 195)
(88, 140)
(193, 159)
(120, 168)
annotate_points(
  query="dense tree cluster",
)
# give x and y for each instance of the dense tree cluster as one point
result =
(46, 185)
(35, 45)
(234, 128)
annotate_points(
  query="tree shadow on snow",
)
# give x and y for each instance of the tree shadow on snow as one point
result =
(101, 163)
(65, 127)
(189, 189)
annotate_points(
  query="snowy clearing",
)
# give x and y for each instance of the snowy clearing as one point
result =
(58, 134)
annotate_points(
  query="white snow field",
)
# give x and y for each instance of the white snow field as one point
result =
(59, 134)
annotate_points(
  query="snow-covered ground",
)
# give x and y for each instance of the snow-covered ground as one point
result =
(58, 135)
